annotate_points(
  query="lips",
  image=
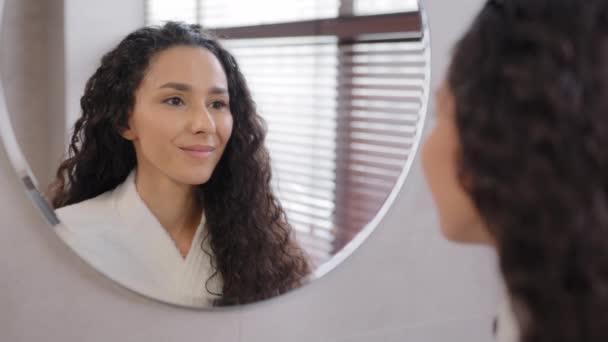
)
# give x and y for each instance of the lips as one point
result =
(198, 151)
(199, 148)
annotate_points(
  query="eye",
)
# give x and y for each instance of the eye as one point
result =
(219, 104)
(174, 101)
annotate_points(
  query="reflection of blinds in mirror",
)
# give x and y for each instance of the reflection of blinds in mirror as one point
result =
(222, 13)
(294, 84)
(369, 7)
(158, 11)
(381, 93)
(232, 13)
(342, 120)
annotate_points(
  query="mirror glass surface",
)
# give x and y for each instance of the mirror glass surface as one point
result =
(302, 174)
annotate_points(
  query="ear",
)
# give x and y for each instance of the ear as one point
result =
(128, 132)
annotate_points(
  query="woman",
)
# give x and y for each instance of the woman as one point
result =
(167, 186)
(518, 160)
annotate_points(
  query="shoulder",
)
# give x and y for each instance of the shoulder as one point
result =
(90, 228)
(507, 329)
(89, 213)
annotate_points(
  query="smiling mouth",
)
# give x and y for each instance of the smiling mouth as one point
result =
(199, 152)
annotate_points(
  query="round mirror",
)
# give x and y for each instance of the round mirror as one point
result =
(224, 154)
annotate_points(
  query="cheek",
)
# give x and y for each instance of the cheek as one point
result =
(436, 166)
(458, 217)
(224, 127)
(153, 132)
(156, 130)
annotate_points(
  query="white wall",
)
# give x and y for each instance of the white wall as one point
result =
(24, 69)
(91, 29)
(54, 58)
(404, 284)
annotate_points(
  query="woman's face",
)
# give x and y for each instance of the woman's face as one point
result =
(460, 220)
(181, 121)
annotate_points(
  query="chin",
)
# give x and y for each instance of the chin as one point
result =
(451, 234)
(465, 234)
(194, 178)
(199, 181)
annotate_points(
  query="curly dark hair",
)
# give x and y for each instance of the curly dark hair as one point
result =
(252, 243)
(530, 82)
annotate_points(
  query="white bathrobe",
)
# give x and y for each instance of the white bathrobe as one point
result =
(118, 235)
(507, 329)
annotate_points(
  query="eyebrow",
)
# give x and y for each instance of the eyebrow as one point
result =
(218, 91)
(186, 87)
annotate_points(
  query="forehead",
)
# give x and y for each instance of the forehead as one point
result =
(193, 65)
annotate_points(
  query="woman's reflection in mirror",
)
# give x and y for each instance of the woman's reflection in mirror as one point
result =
(167, 167)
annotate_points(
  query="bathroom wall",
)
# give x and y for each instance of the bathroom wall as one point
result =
(404, 284)
(31, 44)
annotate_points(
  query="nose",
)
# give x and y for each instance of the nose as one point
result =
(202, 121)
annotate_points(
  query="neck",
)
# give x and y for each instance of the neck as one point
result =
(175, 205)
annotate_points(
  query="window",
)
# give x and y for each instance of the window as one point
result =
(341, 86)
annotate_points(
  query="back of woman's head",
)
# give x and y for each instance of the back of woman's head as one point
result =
(530, 83)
